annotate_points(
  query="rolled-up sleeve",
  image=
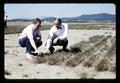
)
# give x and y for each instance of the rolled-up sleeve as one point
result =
(50, 36)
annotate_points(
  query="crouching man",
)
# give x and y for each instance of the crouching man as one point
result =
(58, 35)
(31, 38)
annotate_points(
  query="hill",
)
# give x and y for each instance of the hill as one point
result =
(100, 16)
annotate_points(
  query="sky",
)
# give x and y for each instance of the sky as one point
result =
(56, 10)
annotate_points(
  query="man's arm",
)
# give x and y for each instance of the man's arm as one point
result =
(33, 44)
(30, 37)
(50, 36)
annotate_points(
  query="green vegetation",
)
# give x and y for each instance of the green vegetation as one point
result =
(12, 29)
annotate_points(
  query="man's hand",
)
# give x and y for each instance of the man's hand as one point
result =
(55, 40)
(37, 39)
(36, 51)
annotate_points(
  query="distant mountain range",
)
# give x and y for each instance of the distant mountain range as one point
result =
(100, 16)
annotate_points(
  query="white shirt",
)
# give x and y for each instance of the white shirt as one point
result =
(30, 32)
(60, 33)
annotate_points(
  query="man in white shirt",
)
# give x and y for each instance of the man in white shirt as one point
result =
(57, 35)
(31, 38)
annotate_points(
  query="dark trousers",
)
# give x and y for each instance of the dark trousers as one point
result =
(63, 43)
(25, 42)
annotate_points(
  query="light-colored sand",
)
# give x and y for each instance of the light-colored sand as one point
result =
(16, 56)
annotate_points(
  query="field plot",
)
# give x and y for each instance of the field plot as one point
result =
(17, 27)
(91, 55)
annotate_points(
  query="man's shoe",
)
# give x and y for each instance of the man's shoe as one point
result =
(34, 54)
(29, 56)
(51, 49)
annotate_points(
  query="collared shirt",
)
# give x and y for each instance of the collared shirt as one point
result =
(30, 32)
(60, 33)
(54, 33)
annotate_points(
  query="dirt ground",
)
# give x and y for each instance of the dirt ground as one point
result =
(19, 68)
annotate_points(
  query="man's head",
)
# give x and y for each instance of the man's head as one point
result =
(57, 23)
(37, 22)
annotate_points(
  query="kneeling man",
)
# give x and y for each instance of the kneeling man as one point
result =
(58, 35)
(31, 38)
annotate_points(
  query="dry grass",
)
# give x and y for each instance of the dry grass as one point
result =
(91, 53)
(17, 27)
(103, 65)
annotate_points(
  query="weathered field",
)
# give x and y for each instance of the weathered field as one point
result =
(92, 54)
(17, 27)
(98, 52)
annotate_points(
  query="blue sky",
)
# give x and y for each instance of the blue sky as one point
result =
(56, 10)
